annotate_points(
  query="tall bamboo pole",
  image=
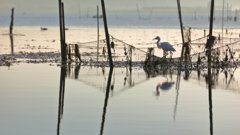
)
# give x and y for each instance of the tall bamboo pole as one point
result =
(210, 43)
(10, 31)
(63, 24)
(180, 19)
(63, 48)
(11, 23)
(107, 34)
(222, 22)
(97, 32)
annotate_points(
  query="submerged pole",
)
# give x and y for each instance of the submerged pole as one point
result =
(107, 34)
(180, 19)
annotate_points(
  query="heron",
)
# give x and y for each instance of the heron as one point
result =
(166, 46)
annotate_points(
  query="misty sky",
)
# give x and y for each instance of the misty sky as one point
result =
(50, 6)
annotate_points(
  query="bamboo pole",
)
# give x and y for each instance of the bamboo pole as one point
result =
(12, 46)
(64, 35)
(63, 24)
(222, 23)
(11, 23)
(107, 34)
(180, 19)
(63, 48)
(97, 32)
(138, 13)
(210, 43)
(10, 31)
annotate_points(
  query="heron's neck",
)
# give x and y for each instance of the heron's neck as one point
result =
(158, 43)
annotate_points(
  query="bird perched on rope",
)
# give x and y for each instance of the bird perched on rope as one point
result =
(165, 46)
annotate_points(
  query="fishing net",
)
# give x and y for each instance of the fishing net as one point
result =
(96, 53)
(225, 52)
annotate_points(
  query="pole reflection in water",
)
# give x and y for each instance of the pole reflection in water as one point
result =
(210, 83)
(61, 96)
(177, 94)
(76, 71)
(106, 99)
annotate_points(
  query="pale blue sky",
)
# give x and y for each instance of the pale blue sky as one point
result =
(72, 5)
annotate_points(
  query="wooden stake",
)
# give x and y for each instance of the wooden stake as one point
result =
(10, 31)
(11, 23)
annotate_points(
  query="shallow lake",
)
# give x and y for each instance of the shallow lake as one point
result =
(47, 99)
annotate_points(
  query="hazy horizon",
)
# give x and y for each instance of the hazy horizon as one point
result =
(72, 6)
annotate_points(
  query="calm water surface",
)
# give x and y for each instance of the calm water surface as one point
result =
(130, 20)
(74, 100)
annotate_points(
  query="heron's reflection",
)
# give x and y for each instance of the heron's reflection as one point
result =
(164, 86)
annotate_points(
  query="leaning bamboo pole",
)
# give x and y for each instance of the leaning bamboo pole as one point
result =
(107, 34)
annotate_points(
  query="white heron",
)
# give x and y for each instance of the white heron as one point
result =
(166, 46)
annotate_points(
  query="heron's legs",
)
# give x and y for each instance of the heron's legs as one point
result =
(171, 53)
(165, 53)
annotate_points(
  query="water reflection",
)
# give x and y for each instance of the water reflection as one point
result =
(210, 83)
(123, 78)
(106, 100)
(61, 97)
(177, 94)
(116, 80)
(164, 86)
(76, 71)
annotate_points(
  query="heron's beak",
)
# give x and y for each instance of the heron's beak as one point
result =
(154, 38)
